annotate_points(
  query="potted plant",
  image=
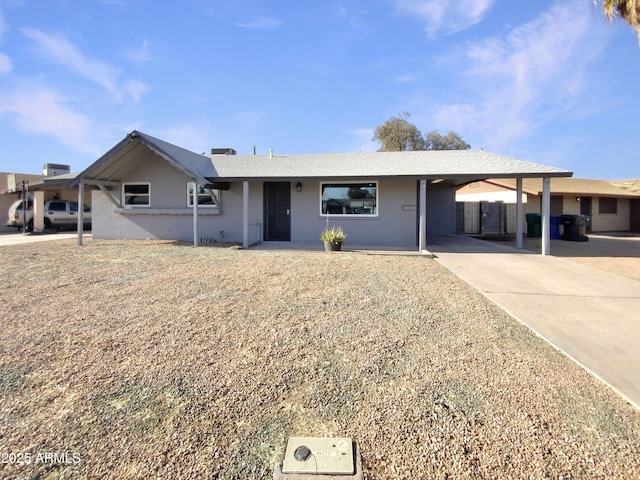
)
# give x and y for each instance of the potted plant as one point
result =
(333, 238)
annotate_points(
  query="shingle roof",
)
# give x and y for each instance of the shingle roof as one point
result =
(191, 163)
(137, 147)
(454, 166)
(418, 164)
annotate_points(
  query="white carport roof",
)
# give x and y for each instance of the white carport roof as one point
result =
(455, 167)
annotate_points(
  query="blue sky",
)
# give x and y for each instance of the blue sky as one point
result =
(546, 81)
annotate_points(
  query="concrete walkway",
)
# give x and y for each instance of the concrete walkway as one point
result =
(16, 238)
(591, 315)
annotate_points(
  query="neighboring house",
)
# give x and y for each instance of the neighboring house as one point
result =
(54, 183)
(613, 206)
(144, 188)
(10, 188)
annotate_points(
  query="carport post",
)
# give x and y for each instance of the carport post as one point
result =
(38, 211)
(519, 219)
(80, 211)
(194, 200)
(546, 220)
(422, 234)
(245, 215)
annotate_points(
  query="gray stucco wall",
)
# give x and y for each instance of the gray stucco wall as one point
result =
(396, 221)
(168, 194)
(395, 224)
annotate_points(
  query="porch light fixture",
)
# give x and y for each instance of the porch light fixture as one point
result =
(437, 180)
(298, 187)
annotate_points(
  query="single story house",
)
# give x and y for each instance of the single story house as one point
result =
(612, 206)
(145, 187)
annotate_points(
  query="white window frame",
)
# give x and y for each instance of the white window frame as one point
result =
(213, 194)
(125, 195)
(354, 183)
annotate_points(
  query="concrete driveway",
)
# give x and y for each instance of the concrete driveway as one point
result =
(589, 314)
(15, 238)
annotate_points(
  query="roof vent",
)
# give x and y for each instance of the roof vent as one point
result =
(271, 153)
(223, 151)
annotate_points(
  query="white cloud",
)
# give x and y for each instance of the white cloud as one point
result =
(405, 78)
(192, 136)
(261, 23)
(354, 16)
(37, 109)
(136, 89)
(57, 49)
(537, 72)
(446, 16)
(142, 54)
(5, 64)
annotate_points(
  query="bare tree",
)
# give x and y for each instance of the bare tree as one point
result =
(628, 10)
(397, 134)
(451, 141)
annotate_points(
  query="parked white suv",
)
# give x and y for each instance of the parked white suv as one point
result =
(58, 214)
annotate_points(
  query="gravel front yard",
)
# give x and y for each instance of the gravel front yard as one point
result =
(157, 360)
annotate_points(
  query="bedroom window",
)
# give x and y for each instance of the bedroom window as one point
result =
(353, 199)
(608, 205)
(136, 194)
(207, 197)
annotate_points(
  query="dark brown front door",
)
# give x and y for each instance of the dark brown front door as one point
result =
(634, 215)
(277, 211)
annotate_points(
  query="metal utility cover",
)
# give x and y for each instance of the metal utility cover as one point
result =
(329, 456)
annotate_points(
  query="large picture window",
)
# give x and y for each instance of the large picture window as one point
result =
(349, 199)
(136, 194)
(207, 197)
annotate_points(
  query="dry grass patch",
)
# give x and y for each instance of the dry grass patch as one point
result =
(155, 359)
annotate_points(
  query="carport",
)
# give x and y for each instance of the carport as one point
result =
(58, 187)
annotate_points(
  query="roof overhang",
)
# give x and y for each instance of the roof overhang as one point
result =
(137, 148)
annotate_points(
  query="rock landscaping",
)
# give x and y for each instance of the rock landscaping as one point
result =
(151, 359)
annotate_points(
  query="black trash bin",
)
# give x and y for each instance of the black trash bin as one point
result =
(575, 227)
(534, 225)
